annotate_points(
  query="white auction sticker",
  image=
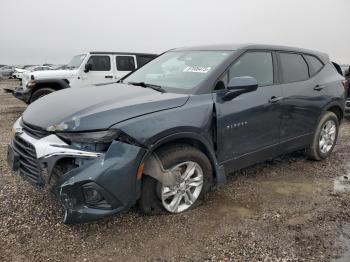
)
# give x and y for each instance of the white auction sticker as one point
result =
(197, 69)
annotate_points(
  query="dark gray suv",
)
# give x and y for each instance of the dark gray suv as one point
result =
(172, 129)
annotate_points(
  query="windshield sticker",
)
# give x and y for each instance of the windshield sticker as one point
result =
(197, 69)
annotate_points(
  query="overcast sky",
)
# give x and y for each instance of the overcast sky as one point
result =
(52, 31)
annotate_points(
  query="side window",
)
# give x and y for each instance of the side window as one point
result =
(125, 63)
(142, 60)
(100, 63)
(254, 64)
(315, 64)
(294, 67)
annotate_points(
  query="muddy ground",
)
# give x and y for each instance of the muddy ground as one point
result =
(285, 210)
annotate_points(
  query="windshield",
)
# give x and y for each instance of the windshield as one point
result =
(76, 61)
(179, 69)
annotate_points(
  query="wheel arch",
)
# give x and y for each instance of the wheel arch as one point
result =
(56, 84)
(337, 111)
(197, 141)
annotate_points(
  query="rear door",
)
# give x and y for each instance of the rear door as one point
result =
(303, 98)
(124, 65)
(249, 123)
(101, 70)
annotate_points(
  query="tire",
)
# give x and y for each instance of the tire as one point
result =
(151, 195)
(315, 152)
(60, 169)
(40, 93)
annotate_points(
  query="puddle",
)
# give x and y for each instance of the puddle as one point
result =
(342, 184)
(292, 188)
(344, 238)
(240, 211)
(226, 207)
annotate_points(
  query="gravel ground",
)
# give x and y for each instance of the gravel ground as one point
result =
(290, 209)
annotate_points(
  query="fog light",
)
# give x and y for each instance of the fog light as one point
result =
(67, 202)
(91, 195)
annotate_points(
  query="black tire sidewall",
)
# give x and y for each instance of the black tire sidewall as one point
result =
(40, 93)
(194, 155)
(170, 157)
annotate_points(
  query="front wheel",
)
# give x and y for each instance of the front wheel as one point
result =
(40, 93)
(196, 179)
(325, 137)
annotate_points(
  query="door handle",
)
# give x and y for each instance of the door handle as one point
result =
(108, 76)
(319, 87)
(275, 99)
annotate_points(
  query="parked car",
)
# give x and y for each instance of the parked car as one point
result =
(346, 72)
(172, 129)
(19, 70)
(83, 70)
(2, 66)
(19, 73)
(6, 71)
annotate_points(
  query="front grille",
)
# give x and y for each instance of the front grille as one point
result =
(347, 104)
(29, 166)
(34, 131)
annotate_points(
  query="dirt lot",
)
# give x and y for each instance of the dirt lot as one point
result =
(290, 209)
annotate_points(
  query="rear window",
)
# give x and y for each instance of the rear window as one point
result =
(294, 67)
(315, 64)
(125, 63)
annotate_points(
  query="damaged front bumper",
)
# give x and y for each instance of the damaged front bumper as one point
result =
(104, 183)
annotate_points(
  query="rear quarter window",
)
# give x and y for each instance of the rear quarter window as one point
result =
(315, 64)
(294, 67)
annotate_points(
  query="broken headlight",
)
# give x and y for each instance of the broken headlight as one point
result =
(105, 136)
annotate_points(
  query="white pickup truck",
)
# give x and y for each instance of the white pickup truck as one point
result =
(83, 70)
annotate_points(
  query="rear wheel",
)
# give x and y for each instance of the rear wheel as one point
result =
(40, 93)
(196, 178)
(325, 137)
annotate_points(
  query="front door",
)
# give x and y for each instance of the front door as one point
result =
(250, 122)
(101, 70)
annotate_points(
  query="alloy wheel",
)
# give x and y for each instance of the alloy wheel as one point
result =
(327, 136)
(184, 194)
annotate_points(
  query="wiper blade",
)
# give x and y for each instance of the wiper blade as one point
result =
(143, 84)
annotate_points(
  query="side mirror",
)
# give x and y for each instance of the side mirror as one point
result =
(88, 67)
(240, 85)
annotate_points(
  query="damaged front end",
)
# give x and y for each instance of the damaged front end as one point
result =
(93, 174)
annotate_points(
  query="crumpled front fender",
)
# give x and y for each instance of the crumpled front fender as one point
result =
(115, 174)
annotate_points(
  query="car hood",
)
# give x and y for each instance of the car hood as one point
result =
(97, 107)
(54, 74)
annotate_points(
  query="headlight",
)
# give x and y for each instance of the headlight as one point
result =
(91, 137)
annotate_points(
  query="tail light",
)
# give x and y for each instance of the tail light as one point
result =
(345, 84)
